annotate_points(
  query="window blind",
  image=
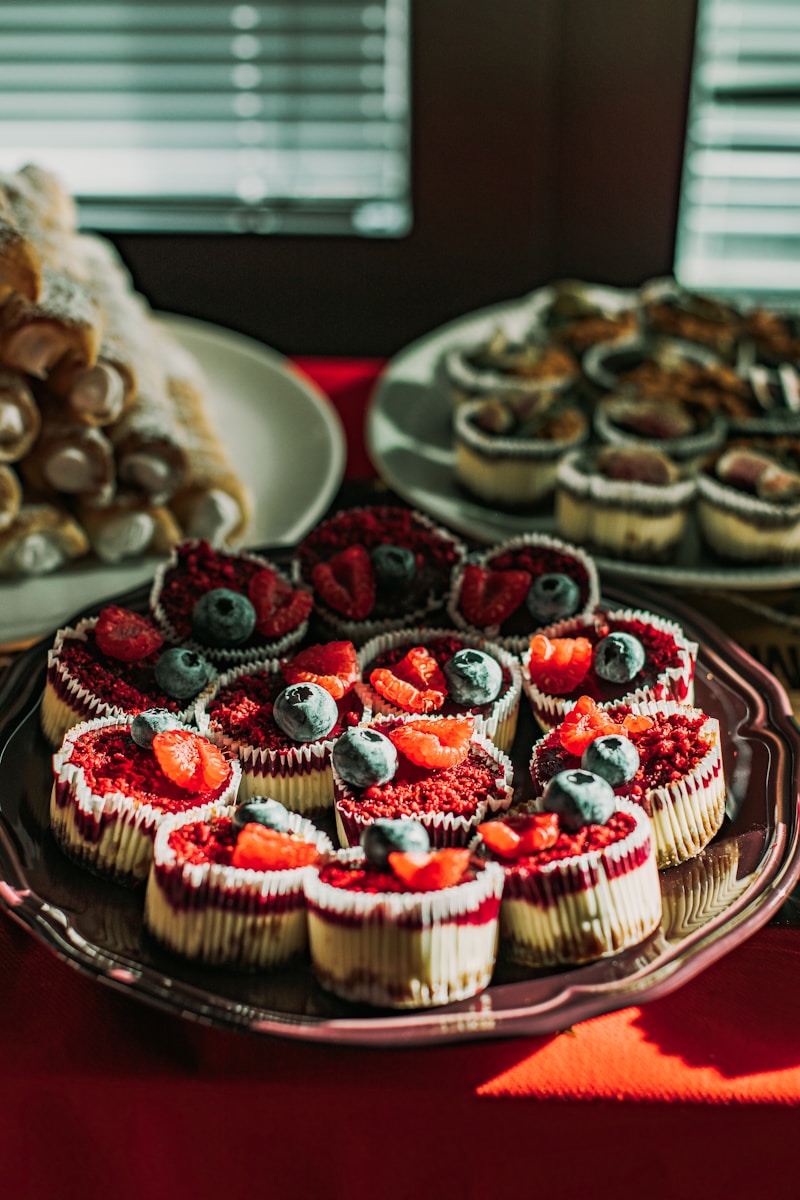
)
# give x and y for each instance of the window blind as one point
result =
(212, 117)
(739, 211)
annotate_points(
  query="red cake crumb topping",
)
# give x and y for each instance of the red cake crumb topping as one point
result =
(130, 686)
(568, 845)
(661, 654)
(441, 649)
(368, 878)
(669, 749)
(214, 841)
(112, 762)
(242, 711)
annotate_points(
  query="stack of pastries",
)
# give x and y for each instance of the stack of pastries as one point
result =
(107, 446)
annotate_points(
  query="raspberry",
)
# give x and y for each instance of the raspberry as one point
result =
(585, 722)
(261, 849)
(415, 683)
(432, 871)
(126, 635)
(489, 597)
(346, 582)
(190, 760)
(442, 742)
(557, 665)
(279, 607)
(333, 665)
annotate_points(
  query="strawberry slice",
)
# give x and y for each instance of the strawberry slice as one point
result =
(585, 722)
(489, 597)
(432, 871)
(442, 742)
(190, 760)
(346, 582)
(259, 848)
(557, 665)
(333, 665)
(126, 635)
(280, 608)
(416, 683)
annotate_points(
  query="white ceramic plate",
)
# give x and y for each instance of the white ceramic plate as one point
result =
(281, 431)
(409, 441)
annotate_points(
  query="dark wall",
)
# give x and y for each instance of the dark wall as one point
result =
(547, 141)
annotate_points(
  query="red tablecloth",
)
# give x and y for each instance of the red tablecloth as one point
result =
(103, 1096)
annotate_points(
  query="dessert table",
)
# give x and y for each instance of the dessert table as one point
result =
(102, 1094)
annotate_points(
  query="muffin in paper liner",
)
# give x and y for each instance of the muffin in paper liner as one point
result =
(497, 719)
(236, 714)
(221, 915)
(536, 554)
(71, 684)
(580, 907)
(412, 793)
(668, 673)
(194, 568)
(746, 528)
(505, 466)
(403, 949)
(111, 833)
(621, 518)
(685, 812)
(437, 552)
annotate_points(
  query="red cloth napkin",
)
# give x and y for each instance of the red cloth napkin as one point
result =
(348, 383)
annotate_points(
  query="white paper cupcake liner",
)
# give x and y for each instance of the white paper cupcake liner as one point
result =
(122, 830)
(227, 916)
(577, 909)
(226, 657)
(404, 949)
(746, 528)
(444, 828)
(499, 723)
(674, 683)
(516, 643)
(702, 890)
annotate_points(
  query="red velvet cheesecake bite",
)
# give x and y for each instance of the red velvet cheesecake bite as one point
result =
(437, 771)
(114, 664)
(444, 672)
(257, 712)
(664, 756)
(232, 607)
(115, 780)
(226, 884)
(403, 927)
(377, 568)
(580, 880)
(522, 585)
(624, 655)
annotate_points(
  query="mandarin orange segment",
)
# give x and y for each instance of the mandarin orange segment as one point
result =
(430, 872)
(438, 743)
(259, 848)
(585, 722)
(500, 838)
(557, 665)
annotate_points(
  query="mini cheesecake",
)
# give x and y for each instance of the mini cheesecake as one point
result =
(110, 793)
(280, 609)
(410, 672)
(502, 364)
(440, 773)
(521, 585)
(586, 893)
(748, 501)
(228, 899)
(390, 941)
(566, 661)
(679, 778)
(373, 569)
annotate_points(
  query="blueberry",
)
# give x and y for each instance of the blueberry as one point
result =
(614, 757)
(182, 673)
(384, 836)
(473, 677)
(363, 757)
(580, 798)
(618, 657)
(145, 725)
(394, 566)
(305, 711)
(223, 618)
(552, 598)
(261, 811)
